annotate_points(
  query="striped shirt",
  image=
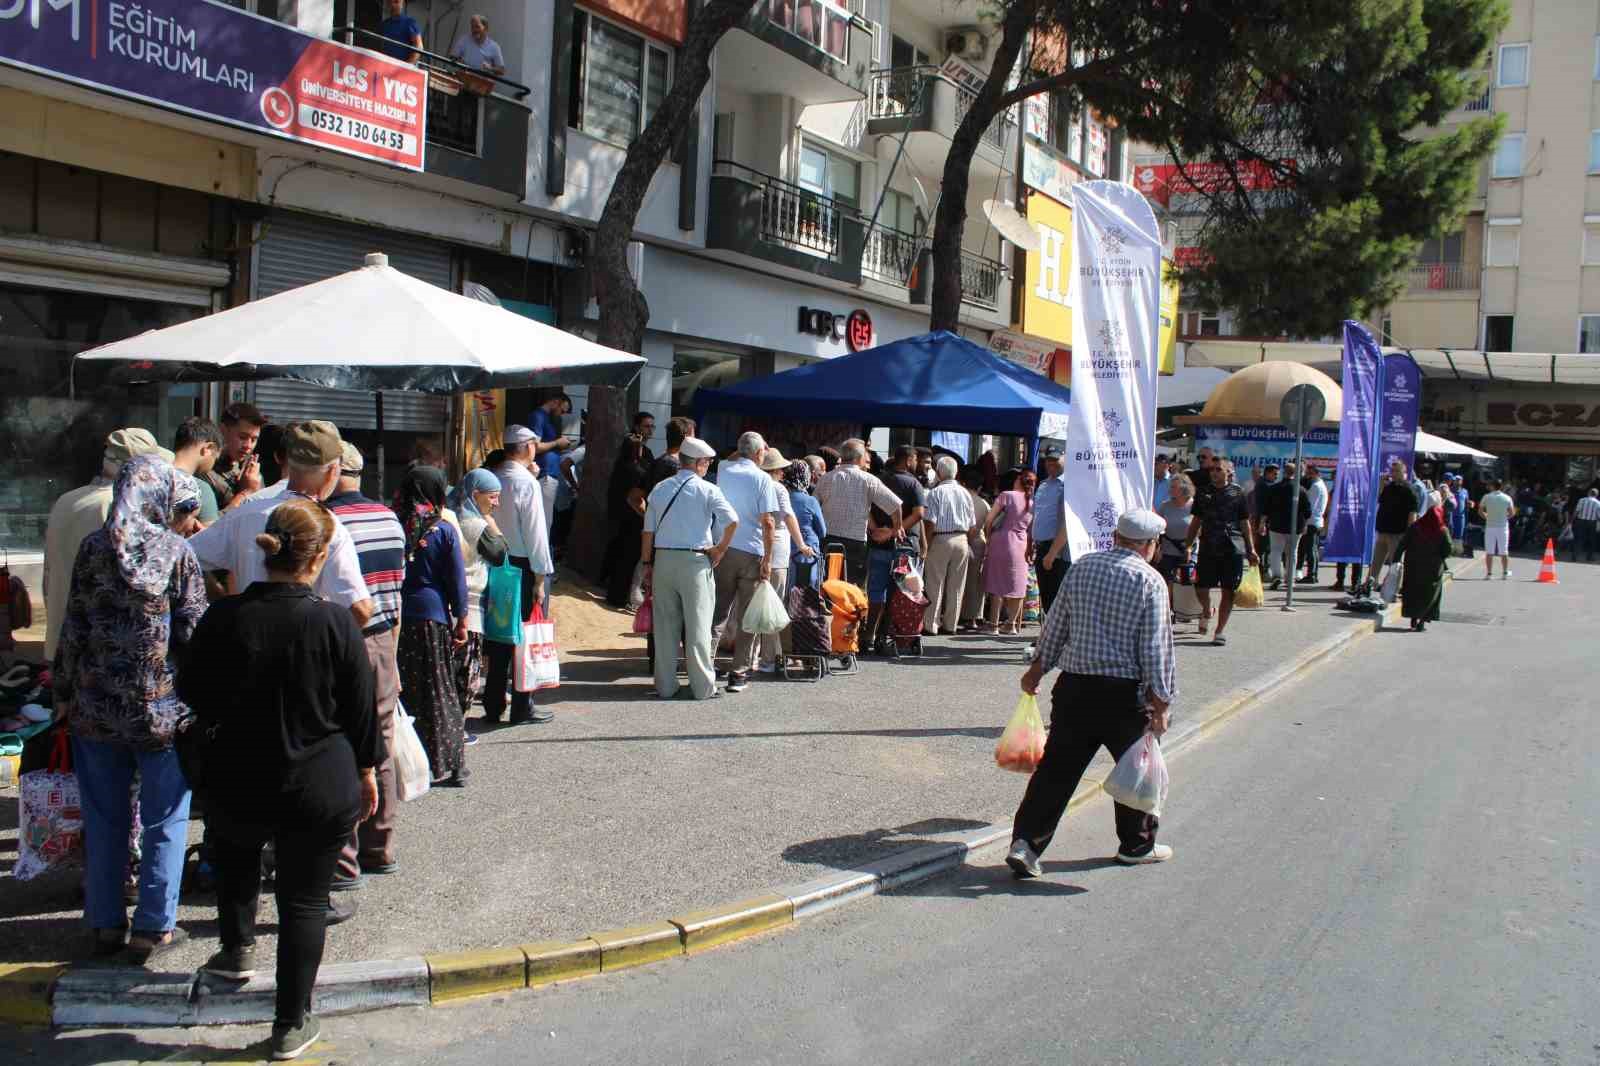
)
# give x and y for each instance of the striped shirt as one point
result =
(381, 550)
(1112, 619)
(1588, 509)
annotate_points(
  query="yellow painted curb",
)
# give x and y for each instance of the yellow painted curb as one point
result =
(703, 929)
(555, 960)
(637, 945)
(475, 973)
(25, 991)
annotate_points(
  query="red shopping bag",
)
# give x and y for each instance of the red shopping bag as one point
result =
(50, 822)
(536, 666)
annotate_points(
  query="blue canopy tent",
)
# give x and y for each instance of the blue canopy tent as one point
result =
(935, 381)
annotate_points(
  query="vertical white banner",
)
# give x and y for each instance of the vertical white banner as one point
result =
(1116, 308)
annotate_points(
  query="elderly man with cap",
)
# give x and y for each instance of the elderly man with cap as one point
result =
(521, 518)
(679, 555)
(380, 545)
(77, 514)
(312, 453)
(1110, 634)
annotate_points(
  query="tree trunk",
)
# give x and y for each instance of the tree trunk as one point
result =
(944, 301)
(624, 312)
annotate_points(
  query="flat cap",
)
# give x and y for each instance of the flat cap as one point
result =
(124, 444)
(1141, 524)
(695, 448)
(314, 443)
(1052, 452)
(516, 434)
(350, 460)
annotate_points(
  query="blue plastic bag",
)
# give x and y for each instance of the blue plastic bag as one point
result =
(502, 604)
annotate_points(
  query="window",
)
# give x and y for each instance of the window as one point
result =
(1513, 66)
(1589, 333)
(1594, 152)
(1597, 58)
(1210, 324)
(1386, 330)
(722, 136)
(1508, 157)
(1591, 245)
(822, 23)
(900, 212)
(1497, 333)
(827, 174)
(1503, 245)
(1446, 249)
(902, 53)
(1066, 126)
(618, 79)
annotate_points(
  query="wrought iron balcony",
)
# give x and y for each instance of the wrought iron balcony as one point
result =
(902, 259)
(1424, 278)
(758, 214)
(923, 99)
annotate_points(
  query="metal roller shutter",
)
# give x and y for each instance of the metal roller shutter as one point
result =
(299, 249)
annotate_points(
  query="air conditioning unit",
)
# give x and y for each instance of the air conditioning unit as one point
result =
(967, 43)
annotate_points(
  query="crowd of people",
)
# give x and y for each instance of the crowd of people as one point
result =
(284, 623)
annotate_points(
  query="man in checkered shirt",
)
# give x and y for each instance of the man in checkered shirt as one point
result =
(1110, 633)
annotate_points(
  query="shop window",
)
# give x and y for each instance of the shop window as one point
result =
(1589, 333)
(1513, 66)
(51, 438)
(1497, 333)
(618, 79)
(1508, 157)
(1504, 245)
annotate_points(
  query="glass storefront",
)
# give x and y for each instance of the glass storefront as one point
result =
(51, 439)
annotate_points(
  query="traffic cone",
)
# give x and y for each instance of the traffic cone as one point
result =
(1547, 569)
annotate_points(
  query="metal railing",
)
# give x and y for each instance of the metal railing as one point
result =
(353, 34)
(1485, 102)
(996, 133)
(792, 216)
(892, 255)
(980, 280)
(898, 91)
(1442, 277)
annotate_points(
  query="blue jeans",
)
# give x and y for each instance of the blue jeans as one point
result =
(105, 775)
(880, 573)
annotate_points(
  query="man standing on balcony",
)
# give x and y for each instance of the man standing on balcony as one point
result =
(476, 49)
(403, 30)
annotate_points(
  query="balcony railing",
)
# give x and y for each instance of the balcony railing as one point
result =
(1442, 277)
(998, 131)
(894, 256)
(905, 92)
(1485, 102)
(792, 216)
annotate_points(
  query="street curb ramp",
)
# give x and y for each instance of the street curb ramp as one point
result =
(38, 994)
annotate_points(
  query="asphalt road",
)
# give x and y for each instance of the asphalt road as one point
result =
(1392, 862)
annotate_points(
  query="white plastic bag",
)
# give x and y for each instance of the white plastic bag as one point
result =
(1140, 777)
(1391, 583)
(411, 774)
(765, 613)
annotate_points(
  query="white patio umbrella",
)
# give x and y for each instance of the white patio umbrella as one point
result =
(1429, 444)
(372, 329)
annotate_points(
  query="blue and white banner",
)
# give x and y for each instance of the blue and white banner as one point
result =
(1398, 403)
(1115, 293)
(1354, 493)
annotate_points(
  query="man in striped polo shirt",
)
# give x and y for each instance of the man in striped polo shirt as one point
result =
(381, 550)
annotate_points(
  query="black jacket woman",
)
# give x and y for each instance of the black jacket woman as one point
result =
(281, 679)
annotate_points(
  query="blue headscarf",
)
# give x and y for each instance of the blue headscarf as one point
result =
(479, 480)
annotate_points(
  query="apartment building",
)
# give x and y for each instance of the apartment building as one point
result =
(170, 158)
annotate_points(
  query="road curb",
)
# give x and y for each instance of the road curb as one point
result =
(69, 997)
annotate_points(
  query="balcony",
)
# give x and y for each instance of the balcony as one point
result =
(756, 214)
(1483, 102)
(815, 51)
(1429, 279)
(901, 259)
(921, 100)
(482, 139)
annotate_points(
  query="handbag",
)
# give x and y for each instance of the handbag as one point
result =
(536, 666)
(50, 815)
(411, 773)
(645, 617)
(502, 604)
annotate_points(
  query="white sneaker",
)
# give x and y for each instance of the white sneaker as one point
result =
(1023, 860)
(1159, 853)
(1505, 575)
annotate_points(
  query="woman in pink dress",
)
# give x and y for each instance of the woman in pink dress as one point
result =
(1005, 569)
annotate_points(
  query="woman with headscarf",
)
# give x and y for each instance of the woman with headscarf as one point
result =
(482, 546)
(625, 497)
(1423, 549)
(433, 623)
(137, 594)
(807, 515)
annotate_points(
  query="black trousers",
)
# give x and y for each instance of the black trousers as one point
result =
(855, 558)
(497, 679)
(1087, 712)
(1049, 580)
(309, 822)
(1583, 536)
(1355, 574)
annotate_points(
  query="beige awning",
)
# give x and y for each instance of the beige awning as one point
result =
(1459, 364)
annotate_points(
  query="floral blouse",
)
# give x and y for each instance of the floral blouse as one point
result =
(115, 666)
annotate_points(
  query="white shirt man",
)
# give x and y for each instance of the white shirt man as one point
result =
(754, 497)
(1497, 509)
(949, 518)
(476, 49)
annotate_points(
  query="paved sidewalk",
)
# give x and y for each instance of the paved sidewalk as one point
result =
(628, 808)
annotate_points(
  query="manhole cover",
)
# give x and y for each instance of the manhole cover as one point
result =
(1469, 618)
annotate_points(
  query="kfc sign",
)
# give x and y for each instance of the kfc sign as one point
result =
(854, 329)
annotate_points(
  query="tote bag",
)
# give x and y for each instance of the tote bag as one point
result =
(502, 604)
